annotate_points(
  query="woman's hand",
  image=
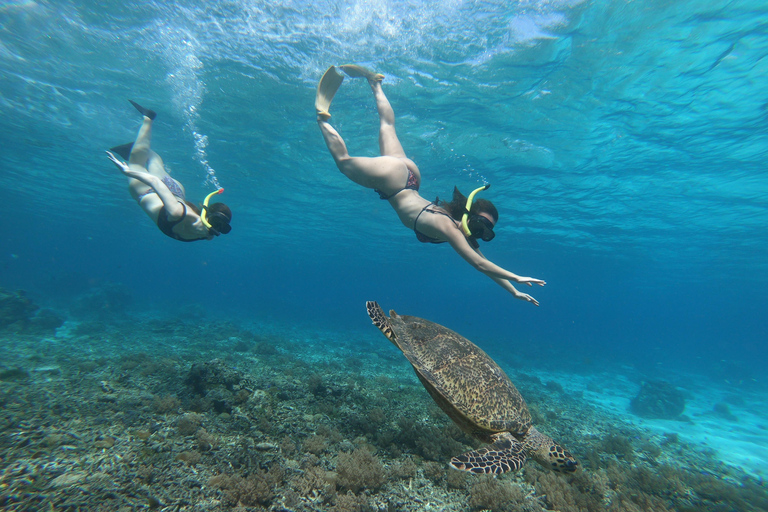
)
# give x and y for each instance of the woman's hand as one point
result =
(525, 296)
(119, 163)
(530, 280)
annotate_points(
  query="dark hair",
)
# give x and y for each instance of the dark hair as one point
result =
(221, 208)
(459, 201)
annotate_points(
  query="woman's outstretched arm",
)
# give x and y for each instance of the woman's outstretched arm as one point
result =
(499, 275)
(170, 201)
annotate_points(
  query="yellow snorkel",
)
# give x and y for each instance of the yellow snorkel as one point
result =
(204, 214)
(465, 217)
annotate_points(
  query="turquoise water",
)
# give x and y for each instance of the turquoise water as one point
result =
(625, 144)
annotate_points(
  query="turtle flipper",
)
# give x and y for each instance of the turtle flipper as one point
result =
(380, 320)
(505, 454)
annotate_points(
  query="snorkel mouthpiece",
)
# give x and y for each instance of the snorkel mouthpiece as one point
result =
(204, 214)
(465, 217)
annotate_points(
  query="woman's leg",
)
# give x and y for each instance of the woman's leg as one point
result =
(383, 172)
(140, 151)
(142, 158)
(141, 154)
(389, 144)
(137, 160)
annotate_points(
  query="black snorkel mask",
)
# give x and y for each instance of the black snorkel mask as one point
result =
(216, 222)
(219, 223)
(481, 227)
(476, 226)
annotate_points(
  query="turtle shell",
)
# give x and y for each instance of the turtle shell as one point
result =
(464, 381)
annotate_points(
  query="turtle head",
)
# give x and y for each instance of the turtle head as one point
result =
(548, 453)
(381, 321)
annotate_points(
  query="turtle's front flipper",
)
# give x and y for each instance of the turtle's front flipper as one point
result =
(505, 454)
(380, 320)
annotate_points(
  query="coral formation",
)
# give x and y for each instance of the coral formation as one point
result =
(495, 494)
(659, 400)
(19, 314)
(103, 302)
(722, 410)
(46, 321)
(15, 308)
(359, 469)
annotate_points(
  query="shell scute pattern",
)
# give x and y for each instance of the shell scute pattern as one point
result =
(475, 393)
(464, 375)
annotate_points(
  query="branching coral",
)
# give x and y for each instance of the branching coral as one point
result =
(359, 469)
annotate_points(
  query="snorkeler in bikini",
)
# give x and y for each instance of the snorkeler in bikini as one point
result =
(162, 197)
(396, 178)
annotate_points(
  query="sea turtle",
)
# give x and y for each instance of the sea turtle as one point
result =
(475, 393)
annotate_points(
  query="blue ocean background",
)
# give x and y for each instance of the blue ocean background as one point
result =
(625, 144)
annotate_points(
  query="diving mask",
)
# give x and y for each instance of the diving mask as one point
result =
(481, 228)
(220, 220)
(476, 226)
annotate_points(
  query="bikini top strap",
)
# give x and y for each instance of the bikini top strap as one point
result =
(416, 220)
(439, 211)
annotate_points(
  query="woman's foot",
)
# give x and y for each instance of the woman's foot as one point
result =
(355, 71)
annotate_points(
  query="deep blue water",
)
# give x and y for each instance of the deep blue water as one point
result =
(625, 143)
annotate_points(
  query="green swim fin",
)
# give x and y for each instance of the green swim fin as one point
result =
(326, 89)
(356, 71)
(144, 111)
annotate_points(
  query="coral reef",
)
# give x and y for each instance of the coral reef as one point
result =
(722, 410)
(358, 470)
(19, 314)
(658, 400)
(15, 308)
(178, 414)
(103, 302)
(46, 321)
(496, 495)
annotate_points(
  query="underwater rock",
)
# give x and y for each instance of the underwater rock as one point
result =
(722, 410)
(68, 479)
(658, 400)
(46, 320)
(19, 313)
(106, 301)
(14, 374)
(203, 377)
(266, 447)
(219, 384)
(15, 308)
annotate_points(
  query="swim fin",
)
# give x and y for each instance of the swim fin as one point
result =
(123, 150)
(326, 89)
(144, 111)
(356, 71)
